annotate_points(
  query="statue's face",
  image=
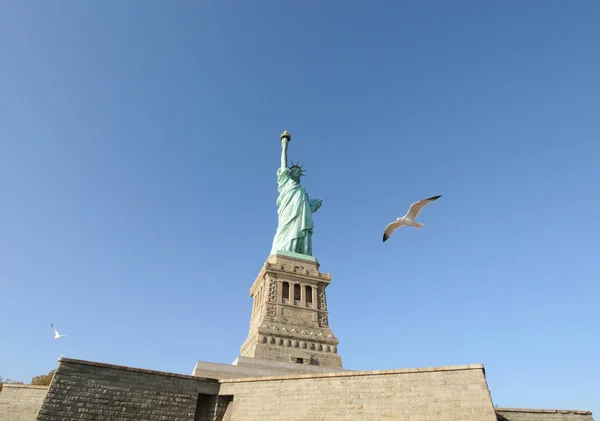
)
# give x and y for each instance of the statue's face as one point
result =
(295, 173)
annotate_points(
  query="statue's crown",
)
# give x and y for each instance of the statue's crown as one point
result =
(297, 165)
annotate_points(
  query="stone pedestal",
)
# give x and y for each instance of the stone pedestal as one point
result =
(289, 320)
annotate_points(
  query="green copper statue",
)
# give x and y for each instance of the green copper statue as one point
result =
(295, 209)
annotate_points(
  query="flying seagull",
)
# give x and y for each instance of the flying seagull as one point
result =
(409, 218)
(56, 334)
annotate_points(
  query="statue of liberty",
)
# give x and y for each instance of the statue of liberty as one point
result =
(295, 209)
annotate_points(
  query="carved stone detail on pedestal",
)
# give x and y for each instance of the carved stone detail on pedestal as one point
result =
(272, 290)
(323, 320)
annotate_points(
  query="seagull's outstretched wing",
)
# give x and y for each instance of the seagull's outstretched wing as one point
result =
(393, 226)
(56, 334)
(416, 207)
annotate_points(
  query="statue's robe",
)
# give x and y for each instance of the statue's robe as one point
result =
(294, 231)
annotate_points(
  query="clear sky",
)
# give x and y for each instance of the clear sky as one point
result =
(139, 143)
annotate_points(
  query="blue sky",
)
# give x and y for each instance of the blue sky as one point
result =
(138, 148)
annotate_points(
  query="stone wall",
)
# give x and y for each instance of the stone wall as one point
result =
(513, 414)
(89, 390)
(439, 393)
(84, 390)
(21, 402)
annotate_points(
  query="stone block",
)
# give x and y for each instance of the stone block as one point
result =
(413, 394)
(86, 390)
(21, 402)
(517, 414)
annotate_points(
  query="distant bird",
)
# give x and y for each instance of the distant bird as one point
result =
(56, 334)
(409, 218)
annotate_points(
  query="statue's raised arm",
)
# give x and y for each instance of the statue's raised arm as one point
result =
(295, 209)
(285, 139)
